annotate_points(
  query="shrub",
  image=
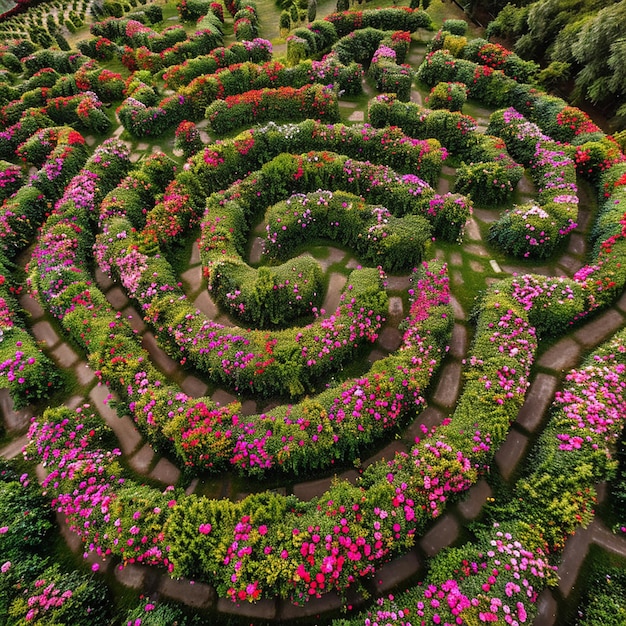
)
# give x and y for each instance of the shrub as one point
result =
(455, 27)
(451, 96)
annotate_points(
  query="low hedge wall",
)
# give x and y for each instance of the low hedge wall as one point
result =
(284, 104)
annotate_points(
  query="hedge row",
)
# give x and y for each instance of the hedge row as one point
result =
(345, 534)
(548, 504)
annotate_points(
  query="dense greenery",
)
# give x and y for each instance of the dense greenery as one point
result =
(585, 41)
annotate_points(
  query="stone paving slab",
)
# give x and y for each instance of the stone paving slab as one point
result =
(335, 255)
(390, 339)
(256, 250)
(166, 472)
(577, 244)
(398, 283)
(193, 594)
(416, 96)
(84, 373)
(142, 460)
(14, 420)
(576, 548)
(195, 254)
(375, 355)
(429, 417)
(395, 572)
(475, 249)
(570, 264)
(311, 489)
(333, 294)
(538, 398)
(65, 356)
(132, 575)
(288, 612)
(443, 534)
(31, 306)
(510, 453)
(134, 319)
(223, 398)
(14, 449)
(72, 540)
(193, 277)
(449, 385)
(44, 332)
(194, 387)
(608, 541)
(457, 309)
(117, 298)
(562, 356)
(396, 309)
(193, 485)
(443, 186)
(458, 341)
(477, 496)
(546, 609)
(159, 357)
(488, 216)
(262, 609)
(249, 407)
(350, 475)
(472, 231)
(123, 427)
(205, 304)
(456, 259)
(476, 266)
(103, 280)
(74, 402)
(356, 116)
(599, 329)
(388, 453)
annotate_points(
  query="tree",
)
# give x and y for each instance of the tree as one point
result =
(600, 51)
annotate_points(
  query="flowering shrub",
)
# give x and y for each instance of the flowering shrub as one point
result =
(454, 130)
(535, 230)
(573, 122)
(342, 536)
(393, 18)
(491, 184)
(388, 75)
(451, 96)
(377, 236)
(497, 579)
(239, 78)
(192, 10)
(187, 138)
(24, 369)
(255, 51)
(284, 103)
(10, 179)
(222, 161)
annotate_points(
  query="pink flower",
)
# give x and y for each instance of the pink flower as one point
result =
(204, 529)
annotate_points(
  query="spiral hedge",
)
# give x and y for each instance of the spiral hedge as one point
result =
(271, 545)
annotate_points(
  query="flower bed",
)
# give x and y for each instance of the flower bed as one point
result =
(255, 51)
(372, 231)
(535, 230)
(283, 104)
(556, 496)
(267, 543)
(114, 516)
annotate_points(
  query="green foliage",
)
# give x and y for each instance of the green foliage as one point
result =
(451, 96)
